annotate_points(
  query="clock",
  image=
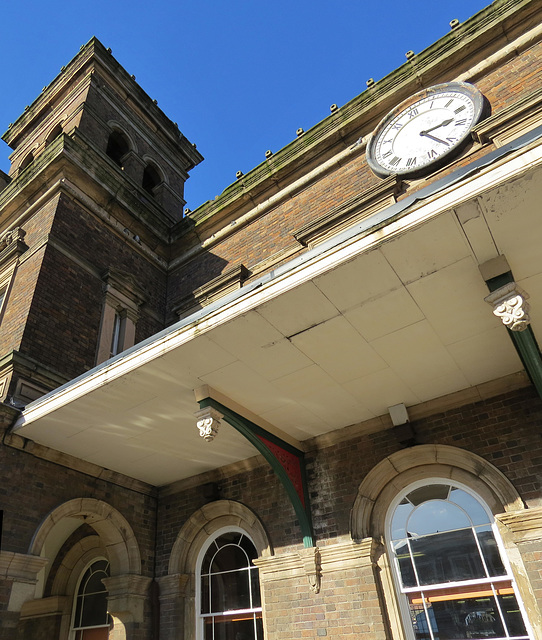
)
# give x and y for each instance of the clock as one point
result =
(426, 130)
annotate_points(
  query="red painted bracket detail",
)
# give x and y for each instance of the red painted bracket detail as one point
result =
(290, 463)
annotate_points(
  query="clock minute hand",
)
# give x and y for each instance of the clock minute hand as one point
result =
(445, 123)
(428, 135)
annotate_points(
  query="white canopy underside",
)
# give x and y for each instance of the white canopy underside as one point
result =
(394, 317)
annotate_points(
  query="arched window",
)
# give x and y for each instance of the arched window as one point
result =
(90, 619)
(453, 581)
(229, 602)
(28, 160)
(151, 179)
(117, 147)
(53, 134)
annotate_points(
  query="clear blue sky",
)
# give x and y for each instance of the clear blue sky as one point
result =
(238, 76)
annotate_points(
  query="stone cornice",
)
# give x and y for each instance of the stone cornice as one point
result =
(511, 121)
(20, 362)
(221, 285)
(129, 584)
(82, 466)
(337, 557)
(95, 57)
(125, 284)
(54, 605)
(349, 212)
(20, 567)
(454, 400)
(10, 252)
(315, 562)
(173, 585)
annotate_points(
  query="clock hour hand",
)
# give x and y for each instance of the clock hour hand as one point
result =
(442, 124)
(428, 135)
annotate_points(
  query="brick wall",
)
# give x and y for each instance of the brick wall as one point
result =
(273, 231)
(503, 430)
(62, 299)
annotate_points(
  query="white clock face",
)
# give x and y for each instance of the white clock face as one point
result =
(420, 134)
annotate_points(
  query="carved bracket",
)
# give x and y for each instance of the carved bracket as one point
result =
(310, 557)
(208, 422)
(13, 235)
(511, 306)
(286, 460)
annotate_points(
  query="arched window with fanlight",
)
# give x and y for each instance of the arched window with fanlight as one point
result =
(228, 594)
(91, 620)
(451, 573)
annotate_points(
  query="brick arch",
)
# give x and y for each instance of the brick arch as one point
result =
(400, 469)
(116, 126)
(114, 531)
(148, 160)
(204, 522)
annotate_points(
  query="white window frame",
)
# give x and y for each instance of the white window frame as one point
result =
(74, 630)
(7, 276)
(120, 314)
(401, 592)
(199, 617)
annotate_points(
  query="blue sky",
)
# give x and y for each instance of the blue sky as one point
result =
(239, 76)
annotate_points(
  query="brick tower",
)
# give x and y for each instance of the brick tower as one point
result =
(96, 183)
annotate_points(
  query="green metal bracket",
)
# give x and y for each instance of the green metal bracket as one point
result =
(529, 352)
(287, 462)
(524, 341)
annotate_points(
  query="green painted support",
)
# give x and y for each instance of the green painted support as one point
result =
(527, 348)
(269, 445)
(524, 341)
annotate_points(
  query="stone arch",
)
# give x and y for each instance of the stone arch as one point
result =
(78, 557)
(204, 522)
(69, 572)
(400, 469)
(26, 161)
(178, 587)
(53, 133)
(116, 127)
(114, 531)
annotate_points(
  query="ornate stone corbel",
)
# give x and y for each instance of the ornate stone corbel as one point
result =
(13, 235)
(310, 558)
(208, 423)
(511, 306)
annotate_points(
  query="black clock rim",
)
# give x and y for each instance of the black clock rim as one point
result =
(481, 110)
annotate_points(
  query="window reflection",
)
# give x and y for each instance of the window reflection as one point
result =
(230, 602)
(450, 568)
(91, 617)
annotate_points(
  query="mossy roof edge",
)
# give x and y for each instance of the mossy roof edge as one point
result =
(472, 29)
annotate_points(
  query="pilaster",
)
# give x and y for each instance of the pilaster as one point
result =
(18, 579)
(127, 595)
(334, 588)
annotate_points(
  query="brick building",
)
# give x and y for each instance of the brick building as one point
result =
(309, 408)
